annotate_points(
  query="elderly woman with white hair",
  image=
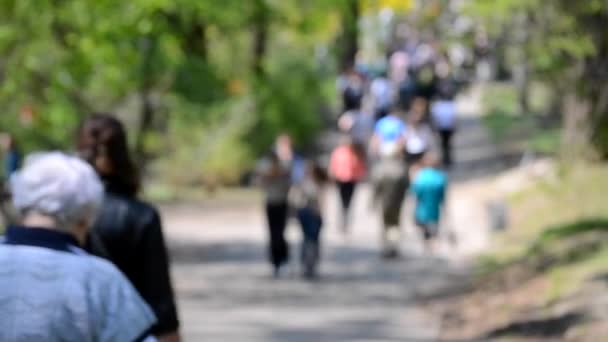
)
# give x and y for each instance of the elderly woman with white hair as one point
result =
(50, 289)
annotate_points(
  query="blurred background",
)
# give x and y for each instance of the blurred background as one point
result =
(205, 86)
(197, 80)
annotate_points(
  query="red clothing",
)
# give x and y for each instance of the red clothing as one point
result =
(346, 165)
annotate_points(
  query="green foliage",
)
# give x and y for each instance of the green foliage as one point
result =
(289, 102)
(565, 44)
(504, 121)
(559, 231)
(546, 141)
(192, 59)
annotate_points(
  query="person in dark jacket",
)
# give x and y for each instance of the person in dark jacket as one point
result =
(130, 229)
(12, 160)
(12, 155)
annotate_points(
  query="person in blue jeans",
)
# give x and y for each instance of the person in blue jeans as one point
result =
(307, 198)
(429, 187)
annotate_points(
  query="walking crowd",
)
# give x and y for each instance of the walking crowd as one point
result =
(396, 134)
(84, 259)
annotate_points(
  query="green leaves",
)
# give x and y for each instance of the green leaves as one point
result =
(191, 59)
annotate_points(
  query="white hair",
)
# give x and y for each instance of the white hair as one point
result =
(57, 185)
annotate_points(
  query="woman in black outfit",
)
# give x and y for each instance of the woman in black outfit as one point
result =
(276, 183)
(130, 230)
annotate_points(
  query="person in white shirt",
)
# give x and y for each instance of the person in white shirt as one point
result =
(443, 114)
(418, 135)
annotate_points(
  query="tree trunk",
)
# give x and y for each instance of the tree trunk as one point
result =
(260, 37)
(192, 31)
(576, 130)
(522, 70)
(146, 116)
(523, 85)
(596, 76)
(350, 34)
(195, 41)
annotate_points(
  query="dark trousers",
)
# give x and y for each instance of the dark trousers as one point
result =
(311, 223)
(413, 158)
(277, 222)
(446, 146)
(347, 190)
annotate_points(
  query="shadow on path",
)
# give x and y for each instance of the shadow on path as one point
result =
(546, 328)
(358, 296)
(351, 268)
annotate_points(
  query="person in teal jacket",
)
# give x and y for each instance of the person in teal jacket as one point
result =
(429, 187)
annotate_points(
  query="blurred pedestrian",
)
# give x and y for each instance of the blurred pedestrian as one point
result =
(351, 86)
(443, 113)
(130, 229)
(399, 63)
(12, 155)
(429, 187)
(347, 168)
(390, 186)
(389, 133)
(359, 125)
(382, 92)
(289, 159)
(389, 177)
(419, 135)
(308, 200)
(426, 81)
(12, 160)
(276, 182)
(50, 289)
(408, 88)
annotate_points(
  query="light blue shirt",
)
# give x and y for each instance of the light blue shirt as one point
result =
(51, 295)
(444, 114)
(389, 129)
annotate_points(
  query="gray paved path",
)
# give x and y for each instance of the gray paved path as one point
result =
(226, 293)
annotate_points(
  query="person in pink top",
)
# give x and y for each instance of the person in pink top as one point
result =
(347, 168)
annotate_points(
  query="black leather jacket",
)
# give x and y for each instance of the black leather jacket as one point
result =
(132, 238)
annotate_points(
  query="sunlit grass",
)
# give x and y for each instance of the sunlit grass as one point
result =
(168, 193)
(551, 213)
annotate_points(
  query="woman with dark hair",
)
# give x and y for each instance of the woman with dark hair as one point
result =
(275, 179)
(130, 229)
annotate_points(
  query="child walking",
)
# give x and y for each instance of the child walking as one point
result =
(429, 187)
(308, 199)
